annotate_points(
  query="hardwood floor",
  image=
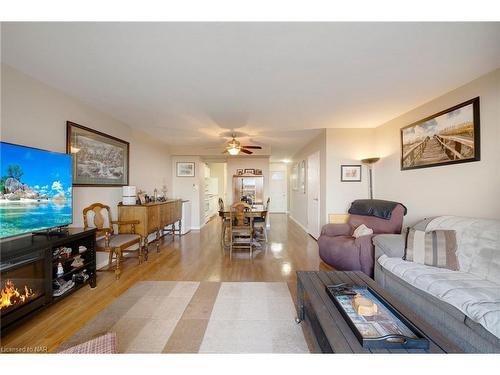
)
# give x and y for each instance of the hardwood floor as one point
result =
(197, 256)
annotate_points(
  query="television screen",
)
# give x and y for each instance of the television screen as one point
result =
(35, 189)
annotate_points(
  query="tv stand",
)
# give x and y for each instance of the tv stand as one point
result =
(44, 264)
(53, 232)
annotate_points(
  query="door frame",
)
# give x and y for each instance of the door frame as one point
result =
(309, 197)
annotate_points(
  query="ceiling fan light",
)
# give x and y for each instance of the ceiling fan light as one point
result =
(233, 151)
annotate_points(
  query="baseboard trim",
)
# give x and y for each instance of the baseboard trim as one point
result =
(298, 223)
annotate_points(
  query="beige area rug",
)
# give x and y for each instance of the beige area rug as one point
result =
(200, 317)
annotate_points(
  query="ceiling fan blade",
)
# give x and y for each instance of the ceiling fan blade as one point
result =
(225, 152)
(246, 151)
(254, 147)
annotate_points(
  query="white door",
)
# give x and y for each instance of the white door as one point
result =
(278, 188)
(313, 195)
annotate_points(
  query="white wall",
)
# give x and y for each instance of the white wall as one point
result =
(219, 171)
(246, 162)
(190, 188)
(347, 146)
(35, 114)
(469, 189)
(297, 198)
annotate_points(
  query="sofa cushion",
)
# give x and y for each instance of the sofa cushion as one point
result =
(478, 244)
(435, 248)
(361, 231)
(477, 298)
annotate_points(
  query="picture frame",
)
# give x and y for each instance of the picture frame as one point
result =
(249, 171)
(185, 169)
(99, 159)
(239, 172)
(448, 137)
(294, 176)
(142, 198)
(350, 173)
(258, 172)
(302, 176)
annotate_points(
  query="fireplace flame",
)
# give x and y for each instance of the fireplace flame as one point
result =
(10, 295)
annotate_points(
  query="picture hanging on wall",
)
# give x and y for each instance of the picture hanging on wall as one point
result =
(448, 137)
(295, 177)
(98, 159)
(302, 176)
(185, 169)
(350, 173)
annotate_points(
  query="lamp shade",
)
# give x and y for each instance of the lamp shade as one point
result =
(370, 160)
(233, 151)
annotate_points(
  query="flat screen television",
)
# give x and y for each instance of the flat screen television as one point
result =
(35, 190)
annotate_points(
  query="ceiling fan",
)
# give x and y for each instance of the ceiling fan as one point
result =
(234, 147)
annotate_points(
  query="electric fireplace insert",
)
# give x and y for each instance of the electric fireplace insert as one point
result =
(24, 285)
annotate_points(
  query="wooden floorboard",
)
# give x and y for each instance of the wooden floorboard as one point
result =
(197, 256)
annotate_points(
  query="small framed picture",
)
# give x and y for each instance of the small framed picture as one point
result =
(185, 169)
(239, 172)
(295, 177)
(258, 172)
(350, 173)
(249, 171)
(142, 198)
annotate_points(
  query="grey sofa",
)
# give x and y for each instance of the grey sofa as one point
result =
(463, 305)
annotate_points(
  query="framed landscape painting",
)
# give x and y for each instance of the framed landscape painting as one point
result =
(98, 159)
(448, 137)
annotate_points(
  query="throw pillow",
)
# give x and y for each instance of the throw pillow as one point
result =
(362, 230)
(435, 248)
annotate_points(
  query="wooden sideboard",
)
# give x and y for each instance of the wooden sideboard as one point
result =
(153, 218)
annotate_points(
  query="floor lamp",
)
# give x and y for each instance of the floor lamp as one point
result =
(369, 162)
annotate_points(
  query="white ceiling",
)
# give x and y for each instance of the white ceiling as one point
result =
(186, 83)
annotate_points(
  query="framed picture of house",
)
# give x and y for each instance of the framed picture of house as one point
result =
(448, 137)
(99, 159)
(185, 169)
(350, 173)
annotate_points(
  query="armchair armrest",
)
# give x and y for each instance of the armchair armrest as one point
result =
(392, 245)
(333, 230)
(132, 224)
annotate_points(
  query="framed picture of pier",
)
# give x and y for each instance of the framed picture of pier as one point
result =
(448, 137)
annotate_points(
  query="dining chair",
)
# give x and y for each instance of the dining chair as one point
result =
(261, 222)
(116, 244)
(224, 224)
(240, 228)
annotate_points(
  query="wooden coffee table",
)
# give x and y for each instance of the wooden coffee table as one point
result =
(326, 327)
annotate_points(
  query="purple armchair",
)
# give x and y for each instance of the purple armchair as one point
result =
(340, 250)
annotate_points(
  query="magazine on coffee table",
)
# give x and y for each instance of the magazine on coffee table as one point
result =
(374, 321)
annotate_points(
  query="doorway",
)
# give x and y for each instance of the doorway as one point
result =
(278, 190)
(313, 195)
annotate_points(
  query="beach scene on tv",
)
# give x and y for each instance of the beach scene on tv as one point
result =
(35, 190)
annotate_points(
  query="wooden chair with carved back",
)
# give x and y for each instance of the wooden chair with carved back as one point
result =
(116, 244)
(240, 228)
(260, 223)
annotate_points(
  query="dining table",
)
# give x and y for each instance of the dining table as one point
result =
(256, 210)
